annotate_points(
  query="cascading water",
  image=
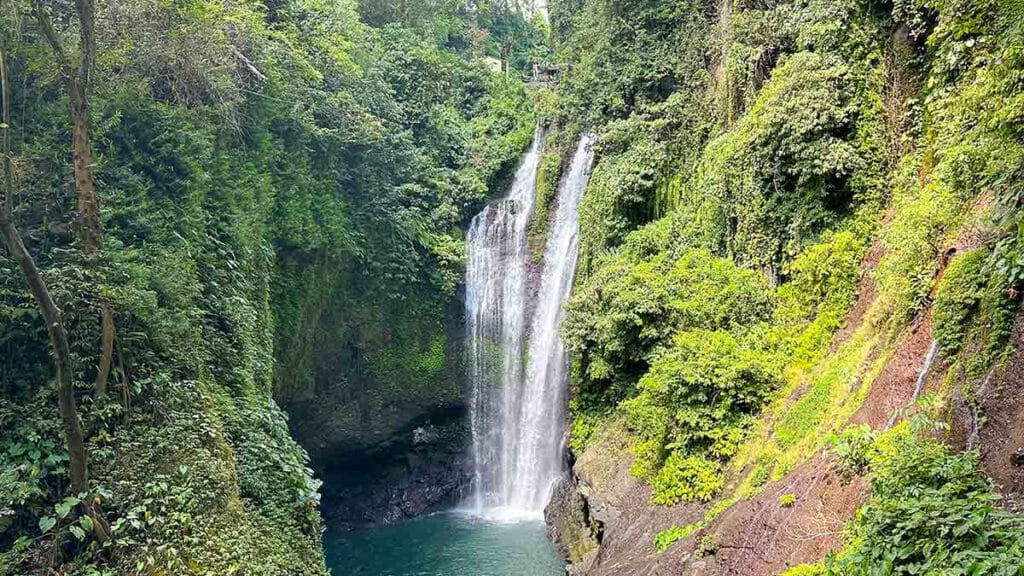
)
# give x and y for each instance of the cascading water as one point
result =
(495, 297)
(517, 412)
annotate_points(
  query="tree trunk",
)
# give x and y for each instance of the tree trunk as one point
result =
(78, 470)
(90, 229)
(61, 351)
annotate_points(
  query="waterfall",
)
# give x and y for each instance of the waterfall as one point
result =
(922, 378)
(495, 298)
(517, 413)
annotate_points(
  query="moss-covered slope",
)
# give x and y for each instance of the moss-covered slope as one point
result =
(777, 228)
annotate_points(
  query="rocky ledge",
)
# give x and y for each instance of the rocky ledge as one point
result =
(420, 470)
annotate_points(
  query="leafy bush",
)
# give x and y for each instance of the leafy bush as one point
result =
(930, 512)
(620, 318)
(787, 500)
(692, 411)
(686, 479)
(853, 447)
(33, 465)
(616, 65)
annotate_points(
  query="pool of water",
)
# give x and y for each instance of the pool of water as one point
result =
(447, 544)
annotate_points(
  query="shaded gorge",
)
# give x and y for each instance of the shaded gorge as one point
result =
(517, 376)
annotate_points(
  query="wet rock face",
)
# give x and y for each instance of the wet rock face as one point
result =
(422, 469)
(572, 527)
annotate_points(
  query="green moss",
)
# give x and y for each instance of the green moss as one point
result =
(957, 298)
(972, 312)
(668, 537)
(548, 176)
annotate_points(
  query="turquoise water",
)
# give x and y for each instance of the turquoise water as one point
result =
(444, 545)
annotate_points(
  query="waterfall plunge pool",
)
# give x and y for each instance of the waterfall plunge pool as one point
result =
(445, 544)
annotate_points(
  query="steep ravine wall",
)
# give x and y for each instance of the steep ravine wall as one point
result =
(800, 282)
(604, 522)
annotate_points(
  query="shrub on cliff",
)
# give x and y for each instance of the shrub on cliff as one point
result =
(930, 512)
(624, 315)
(693, 407)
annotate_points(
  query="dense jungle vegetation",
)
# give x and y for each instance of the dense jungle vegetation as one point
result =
(213, 209)
(265, 178)
(751, 156)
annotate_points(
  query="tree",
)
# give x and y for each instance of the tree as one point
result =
(78, 469)
(77, 70)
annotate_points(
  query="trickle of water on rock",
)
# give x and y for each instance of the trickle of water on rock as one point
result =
(518, 391)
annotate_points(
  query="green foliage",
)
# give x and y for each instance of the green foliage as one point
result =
(584, 425)
(972, 311)
(820, 289)
(548, 176)
(793, 164)
(821, 129)
(787, 500)
(957, 298)
(630, 185)
(769, 175)
(913, 243)
(621, 317)
(34, 466)
(668, 537)
(696, 399)
(622, 55)
(972, 146)
(853, 448)
(686, 479)
(282, 190)
(707, 545)
(930, 512)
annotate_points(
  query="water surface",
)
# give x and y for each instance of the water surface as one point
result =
(448, 544)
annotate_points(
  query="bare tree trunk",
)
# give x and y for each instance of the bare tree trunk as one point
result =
(89, 233)
(90, 230)
(107, 348)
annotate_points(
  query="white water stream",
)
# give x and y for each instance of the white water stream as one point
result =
(517, 405)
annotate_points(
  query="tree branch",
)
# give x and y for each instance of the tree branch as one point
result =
(46, 25)
(87, 33)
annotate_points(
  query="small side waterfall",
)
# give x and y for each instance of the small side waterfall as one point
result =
(922, 378)
(518, 392)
